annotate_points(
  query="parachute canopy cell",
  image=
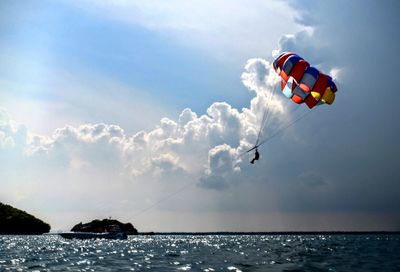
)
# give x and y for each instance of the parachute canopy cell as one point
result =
(303, 83)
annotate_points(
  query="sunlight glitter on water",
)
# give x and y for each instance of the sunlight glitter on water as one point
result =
(202, 253)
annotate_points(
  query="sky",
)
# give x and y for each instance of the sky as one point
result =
(142, 110)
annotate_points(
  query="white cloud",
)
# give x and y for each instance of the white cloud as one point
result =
(99, 163)
(316, 52)
(12, 135)
(200, 147)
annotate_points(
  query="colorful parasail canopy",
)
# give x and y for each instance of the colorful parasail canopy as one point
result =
(302, 82)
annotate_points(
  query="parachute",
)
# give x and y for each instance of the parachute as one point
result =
(303, 83)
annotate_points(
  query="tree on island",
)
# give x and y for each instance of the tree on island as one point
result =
(15, 221)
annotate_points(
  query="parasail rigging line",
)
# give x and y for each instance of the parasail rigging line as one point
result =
(186, 186)
(266, 114)
(158, 202)
(279, 131)
(284, 128)
(315, 81)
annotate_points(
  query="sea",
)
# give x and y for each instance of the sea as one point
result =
(203, 253)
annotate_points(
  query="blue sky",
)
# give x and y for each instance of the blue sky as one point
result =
(108, 107)
(53, 37)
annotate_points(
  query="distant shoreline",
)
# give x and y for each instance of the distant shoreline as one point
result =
(150, 233)
(275, 233)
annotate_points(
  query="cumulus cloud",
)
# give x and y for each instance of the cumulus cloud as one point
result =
(318, 53)
(221, 160)
(207, 148)
(98, 163)
(12, 135)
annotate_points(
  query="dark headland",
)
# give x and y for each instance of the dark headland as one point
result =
(15, 221)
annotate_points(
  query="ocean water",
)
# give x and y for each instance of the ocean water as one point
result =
(203, 253)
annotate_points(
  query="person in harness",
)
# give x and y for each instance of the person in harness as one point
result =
(256, 157)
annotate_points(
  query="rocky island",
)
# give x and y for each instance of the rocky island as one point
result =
(15, 221)
(100, 226)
